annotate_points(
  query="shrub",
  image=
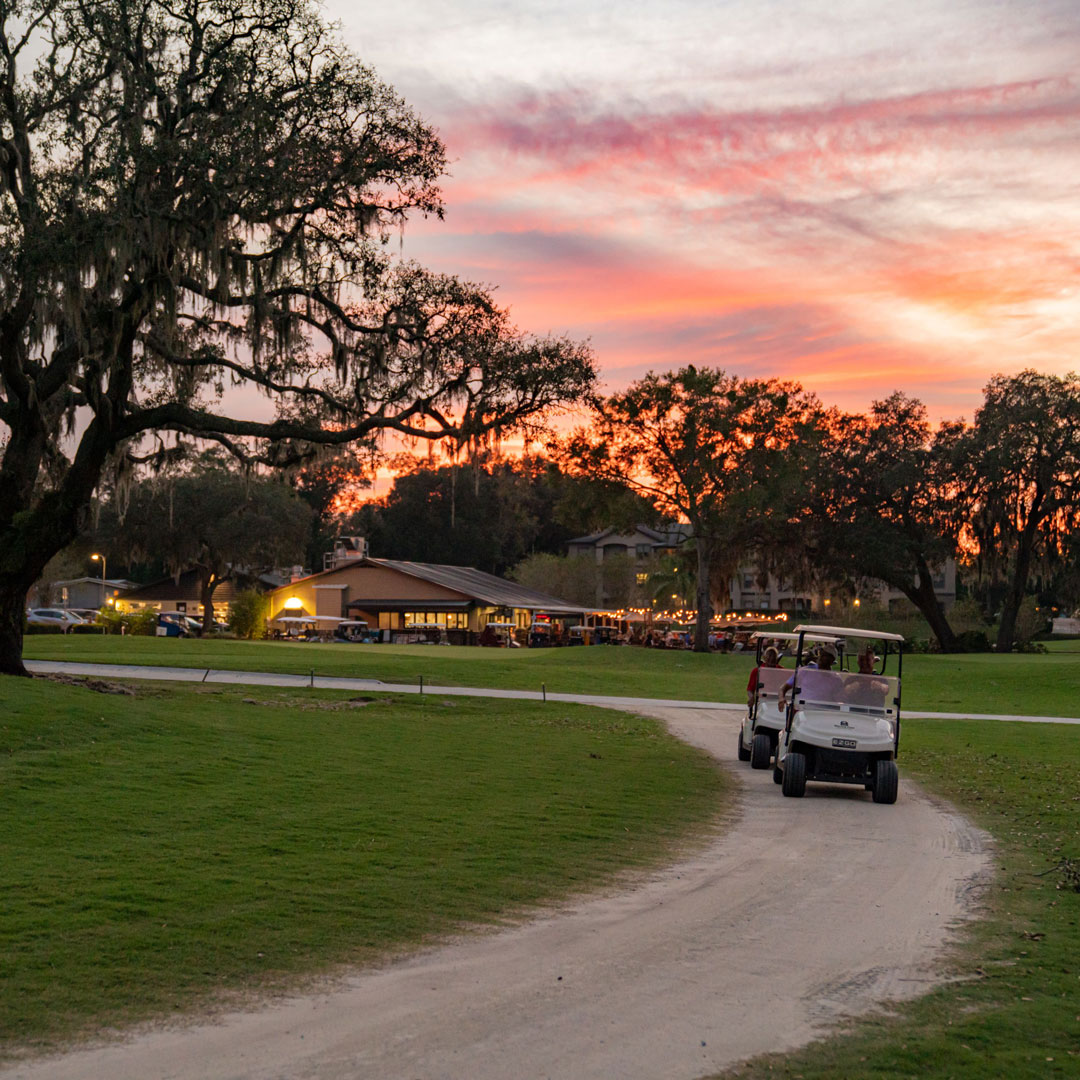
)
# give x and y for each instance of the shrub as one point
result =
(248, 614)
(112, 620)
(1030, 622)
(144, 623)
(973, 641)
(115, 622)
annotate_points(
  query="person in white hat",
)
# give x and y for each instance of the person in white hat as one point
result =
(817, 683)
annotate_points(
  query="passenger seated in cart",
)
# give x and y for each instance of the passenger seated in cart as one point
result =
(817, 682)
(866, 688)
(770, 658)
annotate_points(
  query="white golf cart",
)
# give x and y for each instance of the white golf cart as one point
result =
(763, 723)
(842, 727)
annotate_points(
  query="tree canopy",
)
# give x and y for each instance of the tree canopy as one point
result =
(212, 519)
(490, 514)
(1019, 465)
(195, 200)
(886, 504)
(706, 447)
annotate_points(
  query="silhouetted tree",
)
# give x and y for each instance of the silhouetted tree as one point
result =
(1020, 463)
(888, 505)
(705, 447)
(196, 197)
(211, 519)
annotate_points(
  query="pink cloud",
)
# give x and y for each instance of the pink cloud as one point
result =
(559, 138)
(918, 242)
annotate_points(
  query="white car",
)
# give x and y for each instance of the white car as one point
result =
(59, 617)
(763, 723)
(842, 727)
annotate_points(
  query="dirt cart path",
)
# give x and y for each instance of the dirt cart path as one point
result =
(801, 911)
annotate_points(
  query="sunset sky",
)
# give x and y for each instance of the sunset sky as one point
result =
(863, 195)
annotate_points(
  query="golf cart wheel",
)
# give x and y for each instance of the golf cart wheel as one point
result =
(794, 782)
(760, 751)
(886, 782)
(744, 754)
(777, 775)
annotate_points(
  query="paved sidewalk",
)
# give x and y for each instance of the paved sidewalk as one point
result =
(327, 682)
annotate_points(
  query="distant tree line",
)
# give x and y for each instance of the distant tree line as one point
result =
(492, 514)
(763, 471)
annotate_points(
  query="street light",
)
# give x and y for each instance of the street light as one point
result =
(96, 558)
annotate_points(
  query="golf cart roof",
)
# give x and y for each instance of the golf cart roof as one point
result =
(848, 631)
(787, 635)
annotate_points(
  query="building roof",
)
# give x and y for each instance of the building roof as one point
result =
(472, 584)
(185, 588)
(110, 583)
(670, 536)
(492, 590)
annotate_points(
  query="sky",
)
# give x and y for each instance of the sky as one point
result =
(862, 195)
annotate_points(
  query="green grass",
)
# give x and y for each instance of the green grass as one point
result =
(1028, 684)
(194, 841)
(1014, 1010)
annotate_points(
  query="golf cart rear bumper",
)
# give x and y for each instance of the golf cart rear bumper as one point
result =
(842, 766)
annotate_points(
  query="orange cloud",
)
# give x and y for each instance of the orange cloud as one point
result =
(919, 242)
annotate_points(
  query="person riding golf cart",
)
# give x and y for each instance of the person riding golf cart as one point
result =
(763, 723)
(841, 727)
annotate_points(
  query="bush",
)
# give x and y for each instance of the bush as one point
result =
(1030, 622)
(973, 641)
(112, 620)
(144, 623)
(248, 614)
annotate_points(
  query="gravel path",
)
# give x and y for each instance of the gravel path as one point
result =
(800, 911)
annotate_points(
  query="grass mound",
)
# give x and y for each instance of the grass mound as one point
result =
(192, 841)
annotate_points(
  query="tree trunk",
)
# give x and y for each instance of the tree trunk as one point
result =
(704, 595)
(12, 612)
(1017, 585)
(925, 599)
(1014, 597)
(209, 582)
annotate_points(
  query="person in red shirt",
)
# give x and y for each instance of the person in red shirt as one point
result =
(769, 658)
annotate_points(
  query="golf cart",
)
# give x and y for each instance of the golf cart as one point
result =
(763, 723)
(842, 727)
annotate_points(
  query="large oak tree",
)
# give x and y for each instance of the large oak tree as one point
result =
(1020, 463)
(211, 519)
(887, 503)
(708, 448)
(194, 202)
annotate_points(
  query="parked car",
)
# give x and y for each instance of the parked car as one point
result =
(58, 617)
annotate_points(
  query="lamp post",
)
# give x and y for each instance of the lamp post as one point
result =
(101, 558)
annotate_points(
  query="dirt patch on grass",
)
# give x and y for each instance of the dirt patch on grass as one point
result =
(98, 686)
(311, 706)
